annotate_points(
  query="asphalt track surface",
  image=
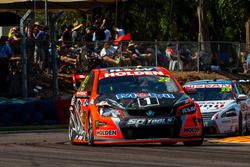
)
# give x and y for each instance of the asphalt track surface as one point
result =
(52, 149)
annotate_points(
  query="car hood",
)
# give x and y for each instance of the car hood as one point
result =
(138, 100)
(212, 106)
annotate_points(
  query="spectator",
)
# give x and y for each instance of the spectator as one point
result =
(134, 54)
(98, 28)
(67, 36)
(88, 38)
(185, 57)
(248, 62)
(172, 58)
(138, 57)
(14, 40)
(5, 54)
(39, 54)
(214, 64)
(243, 61)
(78, 32)
(107, 55)
(118, 31)
(108, 35)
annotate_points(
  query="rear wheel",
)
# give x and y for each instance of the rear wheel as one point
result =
(90, 131)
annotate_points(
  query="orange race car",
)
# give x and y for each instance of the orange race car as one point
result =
(133, 105)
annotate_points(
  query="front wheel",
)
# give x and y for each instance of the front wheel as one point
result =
(241, 130)
(90, 132)
(71, 131)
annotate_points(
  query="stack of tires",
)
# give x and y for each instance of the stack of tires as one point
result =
(62, 106)
(16, 112)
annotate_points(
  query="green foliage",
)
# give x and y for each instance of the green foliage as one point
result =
(174, 19)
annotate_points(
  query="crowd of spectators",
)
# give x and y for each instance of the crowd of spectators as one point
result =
(75, 41)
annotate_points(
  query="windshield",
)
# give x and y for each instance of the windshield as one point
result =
(143, 84)
(211, 94)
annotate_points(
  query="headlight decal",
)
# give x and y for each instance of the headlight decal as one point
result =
(110, 112)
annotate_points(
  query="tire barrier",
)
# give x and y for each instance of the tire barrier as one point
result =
(62, 105)
(16, 112)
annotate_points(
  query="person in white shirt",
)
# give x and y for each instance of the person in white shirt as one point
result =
(107, 55)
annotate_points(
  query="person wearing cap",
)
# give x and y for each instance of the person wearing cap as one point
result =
(134, 56)
(137, 57)
(14, 40)
(107, 55)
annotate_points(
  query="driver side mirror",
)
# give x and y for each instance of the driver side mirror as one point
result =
(82, 94)
(189, 91)
(241, 97)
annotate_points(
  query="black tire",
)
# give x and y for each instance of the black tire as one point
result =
(90, 134)
(194, 143)
(240, 132)
(168, 143)
(71, 133)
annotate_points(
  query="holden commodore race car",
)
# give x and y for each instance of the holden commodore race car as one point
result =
(133, 105)
(225, 108)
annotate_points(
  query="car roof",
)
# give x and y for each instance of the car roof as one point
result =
(215, 81)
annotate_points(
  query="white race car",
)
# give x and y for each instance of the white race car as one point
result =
(225, 108)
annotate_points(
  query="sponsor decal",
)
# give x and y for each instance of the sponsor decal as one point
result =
(164, 79)
(141, 95)
(212, 104)
(188, 110)
(130, 69)
(106, 132)
(210, 86)
(131, 73)
(86, 103)
(85, 82)
(192, 130)
(148, 101)
(148, 122)
(150, 113)
(225, 90)
(81, 94)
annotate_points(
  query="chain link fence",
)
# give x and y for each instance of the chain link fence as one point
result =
(81, 57)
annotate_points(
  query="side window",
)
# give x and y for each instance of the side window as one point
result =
(238, 88)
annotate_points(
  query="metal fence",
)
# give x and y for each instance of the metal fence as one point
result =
(79, 57)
